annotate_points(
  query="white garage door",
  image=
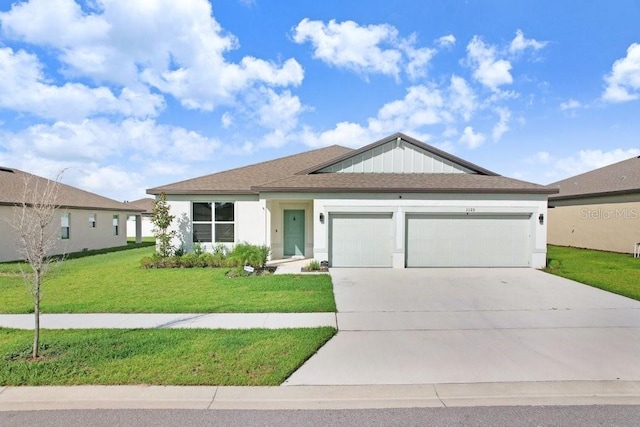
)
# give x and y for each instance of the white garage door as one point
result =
(468, 241)
(361, 240)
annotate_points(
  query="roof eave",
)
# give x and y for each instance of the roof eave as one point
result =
(156, 191)
(402, 190)
(599, 194)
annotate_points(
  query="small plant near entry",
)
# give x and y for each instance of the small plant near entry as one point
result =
(315, 265)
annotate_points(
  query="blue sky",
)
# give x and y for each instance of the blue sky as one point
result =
(127, 95)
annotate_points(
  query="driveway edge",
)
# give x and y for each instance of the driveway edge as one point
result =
(321, 397)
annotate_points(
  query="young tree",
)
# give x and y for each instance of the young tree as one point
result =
(34, 222)
(162, 219)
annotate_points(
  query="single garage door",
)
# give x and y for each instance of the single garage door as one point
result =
(361, 240)
(468, 240)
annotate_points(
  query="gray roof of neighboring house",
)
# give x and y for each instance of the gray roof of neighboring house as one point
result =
(619, 178)
(297, 173)
(145, 204)
(12, 188)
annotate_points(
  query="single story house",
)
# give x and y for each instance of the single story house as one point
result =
(394, 203)
(598, 209)
(85, 220)
(144, 219)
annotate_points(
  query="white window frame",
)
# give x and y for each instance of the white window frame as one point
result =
(66, 227)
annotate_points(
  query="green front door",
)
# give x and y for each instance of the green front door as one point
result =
(293, 233)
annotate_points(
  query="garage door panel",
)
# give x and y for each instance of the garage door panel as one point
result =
(468, 241)
(361, 240)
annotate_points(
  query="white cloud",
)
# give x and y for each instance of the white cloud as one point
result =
(349, 45)
(586, 160)
(344, 133)
(571, 104)
(623, 83)
(175, 47)
(471, 139)
(554, 169)
(520, 43)
(487, 68)
(446, 41)
(25, 88)
(542, 157)
(226, 120)
(102, 141)
(370, 49)
(279, 111)
(503, 123)
(461, 98)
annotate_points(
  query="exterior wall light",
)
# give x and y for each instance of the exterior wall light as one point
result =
(541, 219)
(321, 218)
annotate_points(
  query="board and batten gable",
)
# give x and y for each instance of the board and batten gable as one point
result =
(396, 156)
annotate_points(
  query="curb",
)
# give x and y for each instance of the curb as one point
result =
(320, 397)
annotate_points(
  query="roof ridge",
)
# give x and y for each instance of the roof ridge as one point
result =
(594, 170)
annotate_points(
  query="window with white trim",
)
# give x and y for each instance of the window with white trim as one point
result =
(213, 222)
(65, 226)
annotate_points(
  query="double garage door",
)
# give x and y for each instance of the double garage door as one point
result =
(447, 240)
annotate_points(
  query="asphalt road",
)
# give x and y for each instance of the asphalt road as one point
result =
(480, 416)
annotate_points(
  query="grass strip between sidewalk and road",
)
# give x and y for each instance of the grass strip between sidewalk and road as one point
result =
(115, 283)
(610, 271)
(158, 356)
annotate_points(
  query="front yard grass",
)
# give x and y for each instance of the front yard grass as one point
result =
(157, 356)
(115, 283)
(613, 272)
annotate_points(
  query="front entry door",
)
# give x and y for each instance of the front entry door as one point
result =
(294, 233)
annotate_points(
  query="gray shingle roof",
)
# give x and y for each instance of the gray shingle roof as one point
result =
(619, 178)
(12, 182)
(296, 173)
(146, 204)
(240, 180)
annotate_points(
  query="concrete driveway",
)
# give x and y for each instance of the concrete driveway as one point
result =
(424, 326)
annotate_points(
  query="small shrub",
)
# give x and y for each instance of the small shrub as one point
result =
(197, 248)
(189, 260)
(313, 265)
(221, 249)
(247, 254)
(179, 251)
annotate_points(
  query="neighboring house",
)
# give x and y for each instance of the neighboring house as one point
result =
(395, 203)
(598, 209)
(84, 220)
(144, 219)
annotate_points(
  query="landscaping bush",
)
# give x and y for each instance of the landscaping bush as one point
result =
(313, 265)
(194, 259)
(247, 254)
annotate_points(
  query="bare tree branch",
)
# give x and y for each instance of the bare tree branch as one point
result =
(37, 232)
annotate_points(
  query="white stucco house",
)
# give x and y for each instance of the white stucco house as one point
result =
(394, 203)
(146, 206)
(85, 220)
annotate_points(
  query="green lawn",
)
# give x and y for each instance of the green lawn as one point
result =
(158, 356)
(115, 283)
(613, 272)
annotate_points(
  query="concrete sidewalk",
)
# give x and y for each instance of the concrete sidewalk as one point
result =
(178, 320)
(321, 397)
